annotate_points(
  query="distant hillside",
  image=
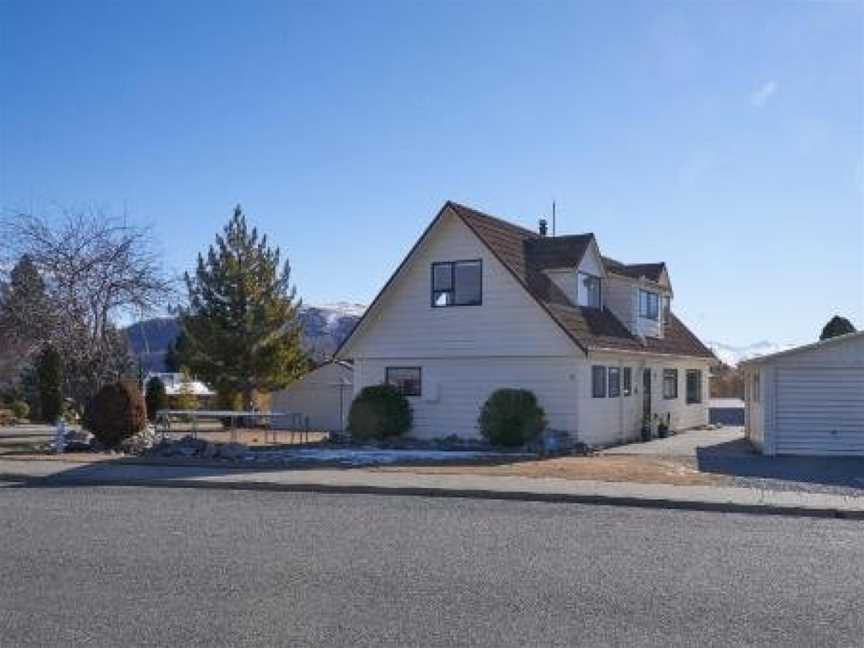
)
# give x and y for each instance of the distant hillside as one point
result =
(324, 329)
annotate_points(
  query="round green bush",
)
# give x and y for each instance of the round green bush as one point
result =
(379, 412)
(115, 413)
(511, 417)
(155, 397)
(20, 409)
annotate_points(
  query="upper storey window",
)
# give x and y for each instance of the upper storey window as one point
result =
(649, 305)
(667, 308)
(588, 290)
(457, 283)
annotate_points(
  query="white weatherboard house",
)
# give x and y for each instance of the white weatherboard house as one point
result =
(323, 395)
(480, 303)
(808, 400)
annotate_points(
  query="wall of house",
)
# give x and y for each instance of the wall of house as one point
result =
(323, 395)
(754, 413)
(591, 262)
(607, 421)
(509, 321)
(619, 296)
(813, 400)
(454, 389)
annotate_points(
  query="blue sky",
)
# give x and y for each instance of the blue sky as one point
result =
(724, 138)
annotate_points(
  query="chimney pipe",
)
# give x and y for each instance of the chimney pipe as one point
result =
(543, 227)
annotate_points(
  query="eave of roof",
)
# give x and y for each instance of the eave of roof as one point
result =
(837, 339)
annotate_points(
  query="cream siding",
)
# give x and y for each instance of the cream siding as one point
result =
(509, 321)
(454, 389)
(619, 295)
(812, 400)
(323, 395)
(607, 421)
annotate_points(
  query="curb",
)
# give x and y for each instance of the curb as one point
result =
(419, 491)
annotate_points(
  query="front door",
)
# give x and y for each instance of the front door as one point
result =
(646, 394)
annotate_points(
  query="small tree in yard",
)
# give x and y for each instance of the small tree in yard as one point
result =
(115, 413)
(49, 372)
(379, 412)
(836, 326)
(240, 331)
(511, 417)
(155, 397)
(186, 398)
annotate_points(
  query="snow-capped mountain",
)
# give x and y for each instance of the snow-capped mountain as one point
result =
(732, 355)
(324, 329)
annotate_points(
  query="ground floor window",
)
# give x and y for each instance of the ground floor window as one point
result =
(694, 386)
(405, 379)
(598, 381)
(628, 381)
(670, 384)
(614, 382)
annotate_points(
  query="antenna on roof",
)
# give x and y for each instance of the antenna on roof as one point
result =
(553, 218)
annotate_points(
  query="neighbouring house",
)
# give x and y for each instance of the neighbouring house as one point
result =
(808, 400)
(480, 303)
(174, 386)
(323, 395)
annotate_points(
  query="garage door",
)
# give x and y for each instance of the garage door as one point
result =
(820, 411)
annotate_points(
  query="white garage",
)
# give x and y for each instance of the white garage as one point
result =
(324, 395)
(808, 400)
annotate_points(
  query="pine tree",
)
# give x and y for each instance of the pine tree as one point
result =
(240, 326)
(155, 397)
(49, 372)
(25, 313)
(836, 326)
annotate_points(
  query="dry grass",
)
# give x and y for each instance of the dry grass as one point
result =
(644, 469)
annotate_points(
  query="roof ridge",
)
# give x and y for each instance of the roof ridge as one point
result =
(477, 212)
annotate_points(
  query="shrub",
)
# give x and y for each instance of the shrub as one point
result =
(115, 413)
(156, 398)
(511, 417)
(379, 412)
(20, 409)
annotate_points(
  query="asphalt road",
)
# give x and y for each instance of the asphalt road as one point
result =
(174, 567)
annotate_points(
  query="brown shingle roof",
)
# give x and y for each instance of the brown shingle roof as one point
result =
(526, 254)
(652, 271)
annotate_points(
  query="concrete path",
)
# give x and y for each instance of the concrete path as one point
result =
(728, 440)
(729, 499)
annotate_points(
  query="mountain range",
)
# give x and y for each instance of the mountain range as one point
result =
(323, 330)
(732, 355)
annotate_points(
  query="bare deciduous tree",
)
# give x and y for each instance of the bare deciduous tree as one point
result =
(97, 269)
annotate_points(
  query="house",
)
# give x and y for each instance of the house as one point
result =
(323, 395)
(807, 400)
(480, 303)
(176, 384)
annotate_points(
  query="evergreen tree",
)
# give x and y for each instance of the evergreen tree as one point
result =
(175, 351)
(25, 313)
(49, 372)
(155, 397)
(241, 328)
(836, 326)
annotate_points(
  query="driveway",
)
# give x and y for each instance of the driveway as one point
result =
(728, 441)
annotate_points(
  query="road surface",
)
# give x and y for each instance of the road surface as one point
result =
(123, 566)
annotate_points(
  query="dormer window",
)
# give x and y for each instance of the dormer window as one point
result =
(588, 290)
(457, 283)
(649, 305)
